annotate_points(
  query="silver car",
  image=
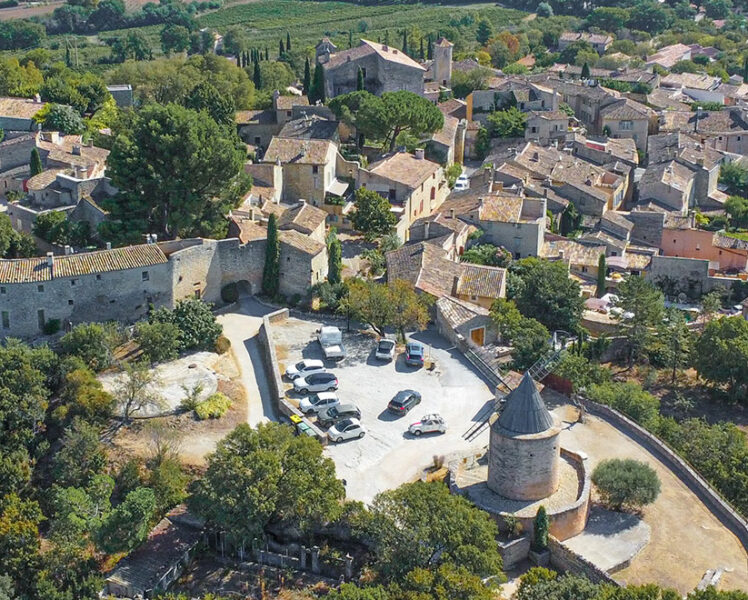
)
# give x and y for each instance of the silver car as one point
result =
(385, 349)
(316, 382)
(428, 424)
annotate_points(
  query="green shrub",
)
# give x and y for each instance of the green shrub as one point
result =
(214, 407)
(52, 326)
(230, 293)
(626, 483)
(158, 341)
(222, 344)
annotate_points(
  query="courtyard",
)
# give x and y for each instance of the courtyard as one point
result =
(387, 455)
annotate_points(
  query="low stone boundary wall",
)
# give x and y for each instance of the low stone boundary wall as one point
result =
(270, 358)
(729, 516)
(564, 559)
(514, 551)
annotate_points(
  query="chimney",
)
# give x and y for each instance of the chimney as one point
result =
(561, 254)
(50, 259)
(109, 245)
(451, 213)
(426, 230)
(37, 98)
(385, 48)
(89, 143)
(252, 214)
(68, 250)
(419, 153)
(76, 149)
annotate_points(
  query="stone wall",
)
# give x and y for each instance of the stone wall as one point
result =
(706, 493)
(572, 520)
(514, 551)
(564, 559)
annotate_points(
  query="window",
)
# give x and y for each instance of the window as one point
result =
(98, 276)
(145, 275)
(698, 247)
(315, 169)
(6, 319)
(584, 269)
(3, 290)
(533, 129)
(70, 303)
(258, 140)
(73, 281)
(288, 113)
(39, 288)
(197, 293)
(626, 125)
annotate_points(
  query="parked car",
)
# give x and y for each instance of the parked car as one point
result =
(404, 401)
(305, 367)
(329, 416)
(316, 382)
(414, 353)
(385, 349)
(318, 402)
(347, 429)
(428, 424)
(462, 183)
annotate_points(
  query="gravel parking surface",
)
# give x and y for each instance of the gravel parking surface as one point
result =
(388, 456)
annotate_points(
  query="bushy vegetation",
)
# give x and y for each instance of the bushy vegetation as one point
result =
(214, 407)
(626, 483)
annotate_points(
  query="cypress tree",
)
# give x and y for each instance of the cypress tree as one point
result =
(350, 38)
(35, 165)
(334, 261)
(360, 80)
(317, 89)
(585, 71)
(430, 49)
(257, 77)
(386, 37)
(267, 53)
(288, 42)
(421, 53)
(271, 272)
(239, 60)
(281, 50)
(307, 76)
(745, 68)
(405, 41)
(602, 267)
(540, 531)
(67, 54)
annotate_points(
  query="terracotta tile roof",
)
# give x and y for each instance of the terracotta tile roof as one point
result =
(671, 174)
(721, 121)
(667, 100)
(506, 209)
(366, 48)
(574, 253)
(305, 218)
(269, 207)
(696, 81)
(458, 312)
(443, 42)
(405, 168)
(720, 240)
(246, 230)
(453, 108)
(480, 280)
(310, 127)
(617, 219)
(27, 270)
(590, 38)
(297, 151)
(638, 261)
(288, 102)
(425, 266)
(677, 145)
(301, 242)
(594, 237)
(19, 108)
(669, 55)
(257, 117)
(626, 108)
(446, 135)
(549, 115)
(43, 179)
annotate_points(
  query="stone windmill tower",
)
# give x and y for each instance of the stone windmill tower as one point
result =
(524, 447)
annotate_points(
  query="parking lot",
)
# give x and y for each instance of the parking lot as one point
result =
(388, 456)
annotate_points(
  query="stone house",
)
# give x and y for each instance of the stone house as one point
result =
(461, 321)
(447, 146)
(544, 127)
(692, 277)
(667, 56)
(17, 114)
(585, 100)
(302, 217)
(669, 186)
(160, 560)
(121, 94)
(445, 227)
(308, 168)
(415, 186)
(723, 130)
(725, 253)
(257, 127)
(626, 118)
(699, 87)
(582, 258)
(311, 127)
(385, 69)
(599, 41)
(512, 91)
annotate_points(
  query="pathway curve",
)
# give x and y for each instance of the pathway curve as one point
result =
(241, 326)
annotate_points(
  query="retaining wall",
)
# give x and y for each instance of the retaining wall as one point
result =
(514, 551)
(724, 512)
(564, 559)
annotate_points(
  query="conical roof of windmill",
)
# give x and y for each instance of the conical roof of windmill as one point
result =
(524, 410)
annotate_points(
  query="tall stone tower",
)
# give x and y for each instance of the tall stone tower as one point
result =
(524, 449)
(443, 61)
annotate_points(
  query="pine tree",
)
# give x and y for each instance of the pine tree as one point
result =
(334, 261)
(281, 49)
(540, 530)
(405, 41)
(360, 80)
(257, 76)
(307, 76)
(288, 42)
(271, 272)
(35, 164)
(585, 71)
(602, 268)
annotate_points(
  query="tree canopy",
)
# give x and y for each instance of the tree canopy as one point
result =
(373, 216)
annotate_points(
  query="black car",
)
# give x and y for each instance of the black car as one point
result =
(404, 401)
(332, 415)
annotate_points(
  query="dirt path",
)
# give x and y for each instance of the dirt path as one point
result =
(26, 12)
(686, 538)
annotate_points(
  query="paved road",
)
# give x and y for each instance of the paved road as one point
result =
(241, 327)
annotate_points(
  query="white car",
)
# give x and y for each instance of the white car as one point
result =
(304, 368)
(316, 382)
(385, 349)
(462, 183)
(318, 402)
(428, 424)
(347, 429)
